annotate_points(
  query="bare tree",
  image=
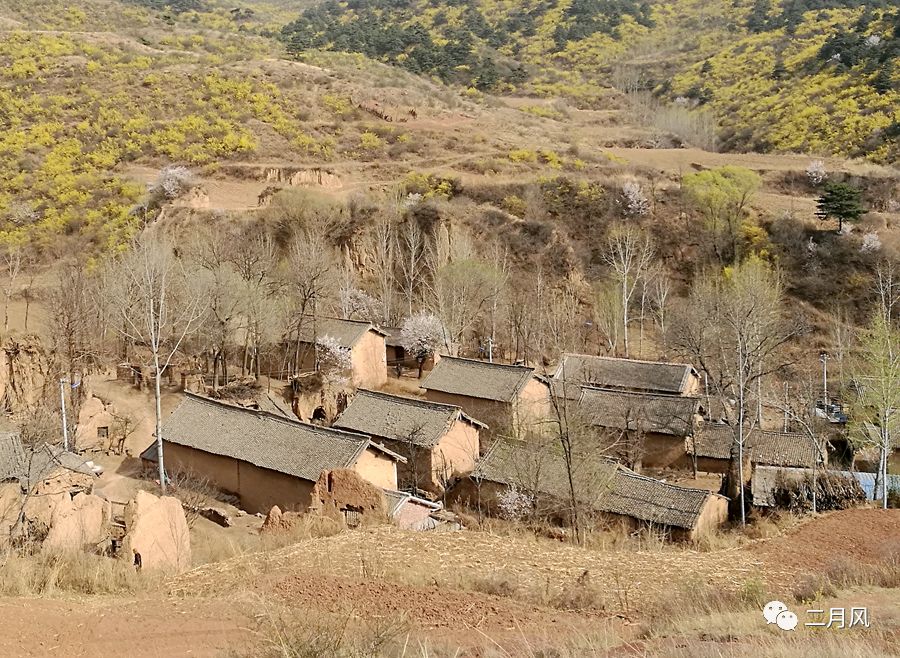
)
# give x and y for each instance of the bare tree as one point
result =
(412, 258)
(877, 409)
(608, 314)
(733, 328)
(461, 291)
(660, 291)
(384, 248)
(629, 253)
(159, 306)
(12, 267)
(311, 275)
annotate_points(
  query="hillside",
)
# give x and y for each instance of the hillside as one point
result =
(743, 62)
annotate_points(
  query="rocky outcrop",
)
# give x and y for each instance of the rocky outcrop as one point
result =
(78, 524)
(24, 373)
(157, 529)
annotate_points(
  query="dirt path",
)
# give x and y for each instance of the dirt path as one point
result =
(103, 627)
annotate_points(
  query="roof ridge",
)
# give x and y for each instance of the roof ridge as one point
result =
(630, 473)
(491, 364)
(419, 402)
(268, 415)
(620, 358)
(641, 394)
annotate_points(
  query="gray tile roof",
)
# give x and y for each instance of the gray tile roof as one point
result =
(764, 447)
(654, 501)
(477, 379)
(400, 419)
(608, 487)
(624, 374)
(262, 439)
(44, 460)
(663, 414)
(12, 456)
(393, 336)
(346, 332)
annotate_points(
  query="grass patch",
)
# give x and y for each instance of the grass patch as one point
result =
(48, 573)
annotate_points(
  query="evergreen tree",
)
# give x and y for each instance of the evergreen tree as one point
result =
(841, 201)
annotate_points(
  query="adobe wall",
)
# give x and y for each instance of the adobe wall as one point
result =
(456, 452)
(663, 451)
(495, 414)
(712, 516)
(369, 359)
(376, 467)
(258, 488)
(533, 405)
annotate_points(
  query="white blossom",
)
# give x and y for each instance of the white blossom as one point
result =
(816, 172)
(515, 505)
(334, 360)
(812, 247)
(422, 334)
(870, 243)
(634, 199)
(873, 40)
(412, 200)
(893, 205)
(172, 182)
(359, 303)
(846, 229)
(682, 101)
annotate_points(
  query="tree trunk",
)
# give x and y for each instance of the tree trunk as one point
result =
(159, 437)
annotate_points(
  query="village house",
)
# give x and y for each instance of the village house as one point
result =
(398, 359)
(770, 481)
(628, 375)
(613, 493)
(364, 341)
(263, 458)
(646, 430)
(711, 447)
(504, 396)
(410, 512)
(439, 441)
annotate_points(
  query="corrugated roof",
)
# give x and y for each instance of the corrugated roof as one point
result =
(624, 374)
(477, 379)
(608, 486)
(400, 419)
(262, 439)
(393, 336)
(764, 447)
(664, 414)
(346, 332)
(12, 456)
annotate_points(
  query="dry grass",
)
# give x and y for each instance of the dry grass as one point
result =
(47, 573)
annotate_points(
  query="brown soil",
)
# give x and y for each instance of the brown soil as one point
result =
(427, 608)
(102, 627)
(866, 536)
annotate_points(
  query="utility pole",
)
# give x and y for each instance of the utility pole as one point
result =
(490, 349)
(823, 357)
(62, 403)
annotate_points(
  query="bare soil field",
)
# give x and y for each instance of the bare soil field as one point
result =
(491, 594)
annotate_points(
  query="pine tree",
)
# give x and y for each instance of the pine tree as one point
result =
(841, 201)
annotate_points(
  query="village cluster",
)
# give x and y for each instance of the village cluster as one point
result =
(610, 436)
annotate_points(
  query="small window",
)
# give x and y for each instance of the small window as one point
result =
(102, 432)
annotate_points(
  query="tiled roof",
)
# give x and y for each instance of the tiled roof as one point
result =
(624, 374)
(542, 469)
(393, 336)
(400, 419)
(46, 459)
(262, 439)
(12, 456)
(609, 487)
(764, 447)
(346, 332)
(477, 379)
(663, 414)
(654, 501)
